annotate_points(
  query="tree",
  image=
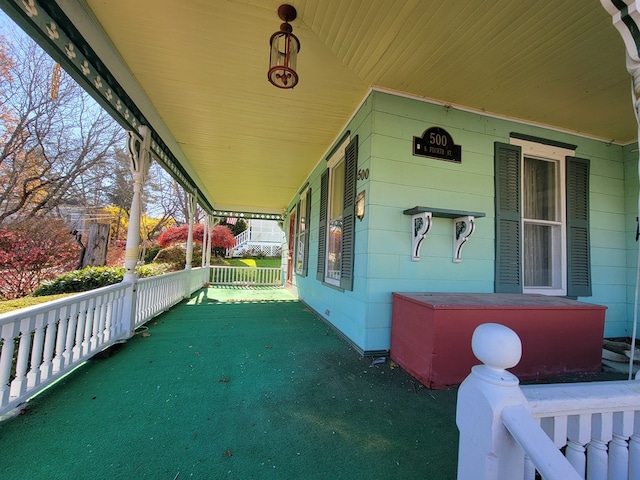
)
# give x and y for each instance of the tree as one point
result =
(33, 251)
(221, 236)
(55, 150)
(236, 228)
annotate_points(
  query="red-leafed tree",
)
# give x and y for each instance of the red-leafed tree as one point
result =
(33, 251)
(220, 237)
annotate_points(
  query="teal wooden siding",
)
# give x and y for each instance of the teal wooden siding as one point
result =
(397, 180)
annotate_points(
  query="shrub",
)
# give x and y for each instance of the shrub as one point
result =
(90, 278)
(176, 256)
(151, 252)
(31, 251)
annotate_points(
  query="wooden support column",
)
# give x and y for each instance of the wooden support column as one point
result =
(192, 204)
(139, 162)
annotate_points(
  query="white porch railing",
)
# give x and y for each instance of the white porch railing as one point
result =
(510, 432)
(40, 344)
(224, 275)
(157, 294)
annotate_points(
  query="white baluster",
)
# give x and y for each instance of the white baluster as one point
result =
(578, 434)
(601, 434)
(88, 326)
(556, 429)
(33, 377)
(49, 344)
(7, 334)
(79, 333)
(69, 349)
(634, 448)
(19, 384)
(618, 447)
(109, 333)
(61, 335)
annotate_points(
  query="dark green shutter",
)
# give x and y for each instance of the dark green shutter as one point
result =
(307, 216)
(348, 215)
(322, 226)
(296, 238)
(508, 275)
(578, 257)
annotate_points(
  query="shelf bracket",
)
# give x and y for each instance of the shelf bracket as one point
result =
(420, 223)
(463, 228)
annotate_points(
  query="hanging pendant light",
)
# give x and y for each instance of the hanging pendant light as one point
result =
(284, 51)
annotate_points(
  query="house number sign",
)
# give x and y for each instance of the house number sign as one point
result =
(437, 143)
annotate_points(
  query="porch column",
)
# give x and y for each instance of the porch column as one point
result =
(626, 18)
(205, 235)
(139, 162)
(210, 225)
(192, 203)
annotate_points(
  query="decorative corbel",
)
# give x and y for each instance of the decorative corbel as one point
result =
(420, 224)
(463, 228)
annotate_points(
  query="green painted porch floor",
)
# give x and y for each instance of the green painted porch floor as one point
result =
(237, 385)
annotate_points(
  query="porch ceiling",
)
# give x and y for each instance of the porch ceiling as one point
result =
(202, 64)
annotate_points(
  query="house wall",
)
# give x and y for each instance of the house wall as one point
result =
(398, 180)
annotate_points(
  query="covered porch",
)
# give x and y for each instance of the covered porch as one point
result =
(251, 385)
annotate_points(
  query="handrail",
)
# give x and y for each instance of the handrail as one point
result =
(40, 344)
(508, 432)
(226, 275)
(547, 459)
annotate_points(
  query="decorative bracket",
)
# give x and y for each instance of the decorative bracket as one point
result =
(463, 228)
(421, 223)
(421, 220)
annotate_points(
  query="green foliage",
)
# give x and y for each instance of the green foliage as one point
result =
(90, 278)
(239, 227)
(176, 256)
(150, 253)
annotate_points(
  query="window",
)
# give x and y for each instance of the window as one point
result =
(302, 235)
(337, 216)
(542, 228)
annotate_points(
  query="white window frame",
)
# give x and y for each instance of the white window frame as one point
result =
(300, 240)
(337, 157)
(558, 155)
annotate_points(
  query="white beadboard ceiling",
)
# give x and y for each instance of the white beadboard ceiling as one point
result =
(202, 64)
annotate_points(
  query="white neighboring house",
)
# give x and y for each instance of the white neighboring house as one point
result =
(262, 237)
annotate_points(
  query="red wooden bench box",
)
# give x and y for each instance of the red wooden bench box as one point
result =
(431, 334)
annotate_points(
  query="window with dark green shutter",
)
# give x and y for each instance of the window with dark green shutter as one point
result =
(542, 227)
(337, 217)
(303, 212)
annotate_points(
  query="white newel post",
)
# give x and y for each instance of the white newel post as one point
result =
(191, 204)
(487, 450)
(139, 162)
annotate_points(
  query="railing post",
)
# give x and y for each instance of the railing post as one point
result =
(486, 449)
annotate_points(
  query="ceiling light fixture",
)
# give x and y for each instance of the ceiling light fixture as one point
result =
(284, 51)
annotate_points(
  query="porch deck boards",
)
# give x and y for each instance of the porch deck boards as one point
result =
(230, 386)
